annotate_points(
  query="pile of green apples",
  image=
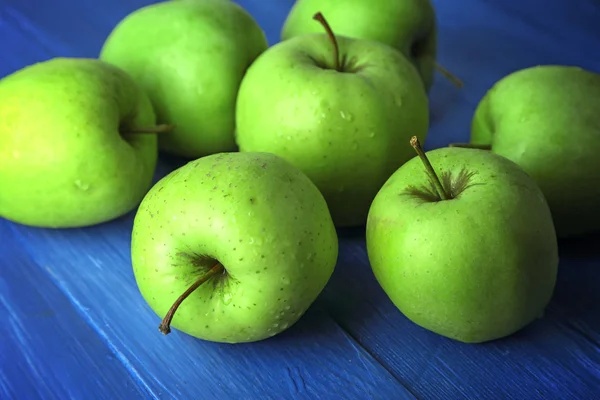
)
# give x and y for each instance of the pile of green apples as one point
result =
(284, 145)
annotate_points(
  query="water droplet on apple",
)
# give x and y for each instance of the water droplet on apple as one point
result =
(251, 239)
(275, 325)
(285, 280)
(372, 134)
(82, 185)
(287, 307)
(284, 325)
(343, 114)
(349, 117)
(226, 297)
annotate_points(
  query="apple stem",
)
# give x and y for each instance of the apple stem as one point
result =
(449, 75)
(336, 48)
(414, 142)
(471, 146)
(165, 325)
(162, 128)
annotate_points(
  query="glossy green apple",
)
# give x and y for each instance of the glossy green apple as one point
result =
(407, 25)
(69, 152)
(547, 120)
(342, 114)
(250, 229)
(189, 56)
(474, 261)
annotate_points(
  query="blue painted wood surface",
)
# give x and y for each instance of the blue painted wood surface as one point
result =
(74, 325)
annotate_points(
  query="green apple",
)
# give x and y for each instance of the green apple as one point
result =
(547, 120)
(77, 143)
(464, 247)
(233, 247)
(190, 57)
(407, 25)
(340, 110)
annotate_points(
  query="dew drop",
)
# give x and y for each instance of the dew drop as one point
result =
(226, 297)
(82, 185)
(275, 325)
(372, 134)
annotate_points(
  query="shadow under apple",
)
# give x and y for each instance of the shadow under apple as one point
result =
(576, 301)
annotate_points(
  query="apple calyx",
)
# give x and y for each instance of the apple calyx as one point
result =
(161, 128)
(471, 146)
(336, 48)
(449, 75)
(444, 195)
(165, 325)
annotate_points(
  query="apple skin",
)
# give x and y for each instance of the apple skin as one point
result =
(409, 26)
(547, 120)
(190, 57)
(63, 161)
(475, 268)
(261, 218)
(346, 130)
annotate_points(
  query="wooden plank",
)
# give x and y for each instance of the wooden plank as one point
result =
(47, 350)
(92, 267)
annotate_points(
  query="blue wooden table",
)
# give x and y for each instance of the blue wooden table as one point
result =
(74, 325)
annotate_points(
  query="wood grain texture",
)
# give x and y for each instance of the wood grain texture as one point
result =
(76, 326)
(47, 350)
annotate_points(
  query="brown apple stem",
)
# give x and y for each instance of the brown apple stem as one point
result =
(414, 142)
(449, 75)
(165, 325)
(471, 146)
(162, 128)
(336, 48)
